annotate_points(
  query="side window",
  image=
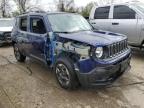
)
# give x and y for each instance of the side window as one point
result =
(102, 13)
(23, 24)
(37, 26)
(123, 12)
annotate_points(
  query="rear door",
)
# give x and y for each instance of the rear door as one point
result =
(125, 22)
(101, 18)
(37, 37)
(22, 33)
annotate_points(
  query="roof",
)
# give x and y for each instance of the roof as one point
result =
(6, 18)
(44, 13)
(125, 3)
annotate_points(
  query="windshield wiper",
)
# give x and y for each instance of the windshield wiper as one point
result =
(80, 31)
(61, 32)
(71, 31)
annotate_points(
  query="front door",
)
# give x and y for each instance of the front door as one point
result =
(37, 37)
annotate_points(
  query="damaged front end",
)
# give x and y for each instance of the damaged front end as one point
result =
(82, 50)
(94, 65)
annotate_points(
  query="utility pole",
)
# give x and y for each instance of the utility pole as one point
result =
(61, 5)
(3, 7)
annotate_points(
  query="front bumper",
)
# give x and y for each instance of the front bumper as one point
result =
(5, 38)
(102, 76)
(5, 41)
(2, 42)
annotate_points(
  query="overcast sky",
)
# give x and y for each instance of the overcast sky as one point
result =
(79, 3)
(49, 5)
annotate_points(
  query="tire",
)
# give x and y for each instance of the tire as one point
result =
(1, 44)
(65, 74)
(19, 57)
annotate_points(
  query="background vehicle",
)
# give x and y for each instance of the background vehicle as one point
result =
(68, 43)
(127, 18)
(6, 25)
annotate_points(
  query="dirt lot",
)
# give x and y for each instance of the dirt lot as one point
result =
(32, 85)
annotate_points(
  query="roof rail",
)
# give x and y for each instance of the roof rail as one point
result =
(133, 1)
(34, 10)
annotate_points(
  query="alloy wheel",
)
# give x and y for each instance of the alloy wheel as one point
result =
(62, 74)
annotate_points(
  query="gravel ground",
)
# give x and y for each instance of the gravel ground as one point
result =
(33, 85)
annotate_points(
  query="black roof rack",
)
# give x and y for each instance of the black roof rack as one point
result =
(34, 10)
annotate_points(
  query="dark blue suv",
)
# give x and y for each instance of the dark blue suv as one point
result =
(78, 53)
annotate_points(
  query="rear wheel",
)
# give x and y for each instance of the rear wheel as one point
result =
(65, 73)
(1, 44)
(18, 55)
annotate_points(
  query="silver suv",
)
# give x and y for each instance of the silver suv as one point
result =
(6, 25)
(127, 18)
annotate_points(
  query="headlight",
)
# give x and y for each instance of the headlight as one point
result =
(99, 52)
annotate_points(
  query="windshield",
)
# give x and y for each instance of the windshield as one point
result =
(139, 6)
(68, 23)
(6, 23)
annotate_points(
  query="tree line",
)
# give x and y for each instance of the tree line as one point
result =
(61, 5)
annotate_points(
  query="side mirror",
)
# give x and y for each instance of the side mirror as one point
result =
(48, 37)
(137, 16)
(86, 18)
(51, 36)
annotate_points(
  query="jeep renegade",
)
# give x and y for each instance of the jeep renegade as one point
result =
(79, 54)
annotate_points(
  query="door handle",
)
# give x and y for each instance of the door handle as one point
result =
(115, 23)
(93, 23)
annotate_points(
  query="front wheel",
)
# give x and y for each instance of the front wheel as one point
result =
(19, 57)
(65, 74)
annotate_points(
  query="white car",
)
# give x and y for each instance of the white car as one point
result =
(126, 18)
(6, 26)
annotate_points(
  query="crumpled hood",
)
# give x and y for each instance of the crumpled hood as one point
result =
(94, 38)
(6, 29)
